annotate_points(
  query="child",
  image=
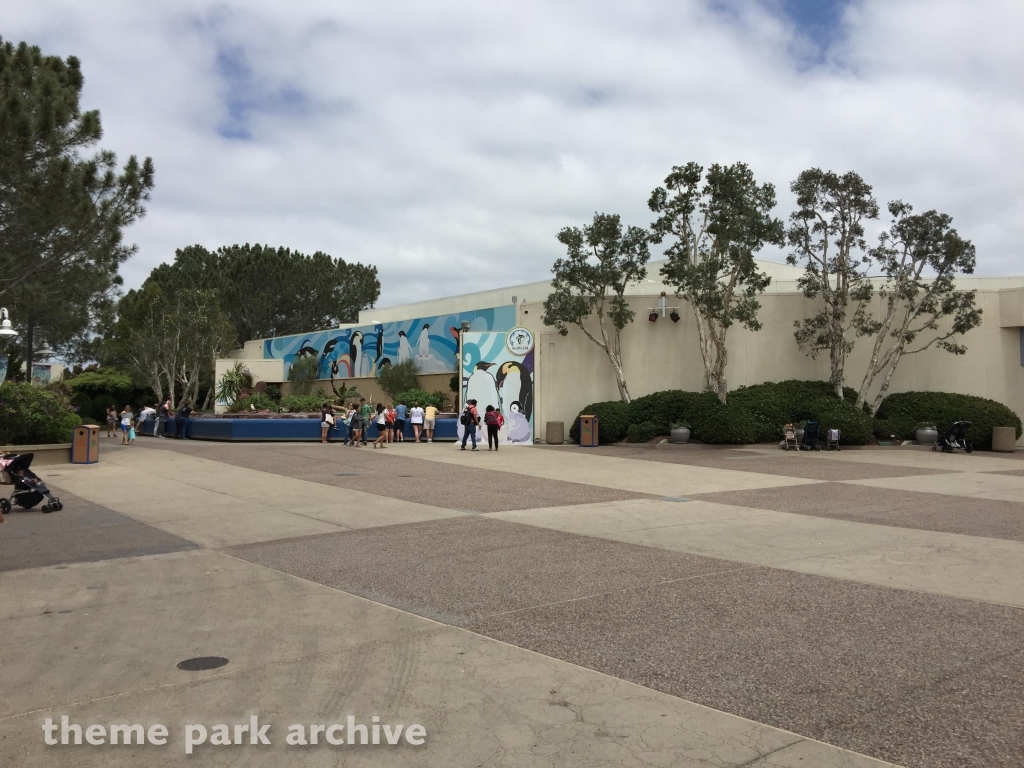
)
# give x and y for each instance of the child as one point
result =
(131, 434)
(111, 420)
(493, 420)
(127, 420)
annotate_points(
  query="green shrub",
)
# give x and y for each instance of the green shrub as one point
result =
(110, 383)
(779, 403)
(302, 375)
(613, 420)
(665, 408)
(303, 403)
(730, 423)
(261, 401)
(273, 391)
(410, 396)
(900, 414)
(34, 415)
(643, 432)
(398, 378)
(855, 426)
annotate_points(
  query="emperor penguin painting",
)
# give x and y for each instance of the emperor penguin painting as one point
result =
(424, 341)
(381, 361)
(404, 347)
(355, 353)
(483, 388)
(515, 385)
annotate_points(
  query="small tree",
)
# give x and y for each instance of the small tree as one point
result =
(914, 303)
(302, 375)
(398, 378)
(235, 379)
(601, 261)
(718, 229)
(827, 234)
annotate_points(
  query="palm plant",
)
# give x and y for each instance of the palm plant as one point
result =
(231, 384)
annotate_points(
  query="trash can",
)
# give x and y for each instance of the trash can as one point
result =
(1004, 439)
(85, 444)
(554, 433)
(588, 431)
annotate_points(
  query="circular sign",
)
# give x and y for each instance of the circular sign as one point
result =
(519, 341)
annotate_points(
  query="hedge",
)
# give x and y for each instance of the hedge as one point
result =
(899, 415)
(643, 432)
(613, 418)
(30, 414)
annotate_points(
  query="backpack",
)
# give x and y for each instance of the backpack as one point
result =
(467, 417)
(492, 418)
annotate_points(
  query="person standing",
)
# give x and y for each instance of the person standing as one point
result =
(401, 411)
(127, 420)
(326, 420)
(429, 420)
(382, 433)
(391, 421)
(111, 420)
(367, 413)
(492, 419)
(416, 417)
(181, 419)
(470, 420)
(163, 413)
(355, 425)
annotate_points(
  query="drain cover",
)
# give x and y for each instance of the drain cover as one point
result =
(346, 474)
(679, 499)
(200, 663)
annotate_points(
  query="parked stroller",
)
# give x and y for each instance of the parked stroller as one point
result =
(954, 438)
(811, 437)
(789, 438)
(832, 440)
(29, 490)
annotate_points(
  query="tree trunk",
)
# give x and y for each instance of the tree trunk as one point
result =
(837, 360)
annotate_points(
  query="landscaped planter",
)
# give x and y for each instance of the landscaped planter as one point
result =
(927, 435)
(51, 453)
(680, 435)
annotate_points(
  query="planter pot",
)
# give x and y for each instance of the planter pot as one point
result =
(927, 436)
(799, 435)
(1004, 439)
(680, 435)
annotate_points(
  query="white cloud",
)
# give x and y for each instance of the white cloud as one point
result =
(448, 142)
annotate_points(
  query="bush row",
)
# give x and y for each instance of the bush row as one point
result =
(30, 414)
(757, 414)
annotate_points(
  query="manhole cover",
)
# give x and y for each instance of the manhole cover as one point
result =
(346, 474)
(200, 663)
(677, 499)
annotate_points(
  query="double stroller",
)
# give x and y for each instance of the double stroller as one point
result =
(29, 490)
(954, 438)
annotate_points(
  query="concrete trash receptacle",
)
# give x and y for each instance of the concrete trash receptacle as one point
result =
(554, 432)
(1004, 439)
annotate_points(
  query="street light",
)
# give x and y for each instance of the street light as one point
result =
(5, 324)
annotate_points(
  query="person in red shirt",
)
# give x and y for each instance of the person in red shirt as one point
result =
(470, 420)
(493, 420)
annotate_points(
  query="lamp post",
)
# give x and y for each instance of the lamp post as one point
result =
(6, 331)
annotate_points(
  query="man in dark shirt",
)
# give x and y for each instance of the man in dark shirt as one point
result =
(181, 419)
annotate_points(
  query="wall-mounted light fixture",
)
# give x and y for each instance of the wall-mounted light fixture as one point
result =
(674, 315)
(514, 299)
(663, 309)
(6, 329)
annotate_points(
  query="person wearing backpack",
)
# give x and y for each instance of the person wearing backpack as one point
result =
(470, 419)
(493, 420)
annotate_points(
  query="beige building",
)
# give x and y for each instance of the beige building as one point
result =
(571, 371)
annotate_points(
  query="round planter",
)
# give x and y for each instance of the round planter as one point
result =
(680, 435)
(927, 436)
(799, 435)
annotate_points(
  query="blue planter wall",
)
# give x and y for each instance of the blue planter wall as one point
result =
(293, 430)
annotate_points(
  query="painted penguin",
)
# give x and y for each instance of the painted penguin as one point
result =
(483, 388)
(424, 341)
(515, 384)
(355, 353)
(518, 425)
(404, 347)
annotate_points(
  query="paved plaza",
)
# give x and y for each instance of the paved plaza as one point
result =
(539, 607)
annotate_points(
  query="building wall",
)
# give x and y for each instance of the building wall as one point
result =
(573, 372)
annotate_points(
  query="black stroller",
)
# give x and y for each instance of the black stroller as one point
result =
(811, 437)
(954, 438)
(29, 490)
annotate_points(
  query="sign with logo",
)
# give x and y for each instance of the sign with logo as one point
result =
(519, 341)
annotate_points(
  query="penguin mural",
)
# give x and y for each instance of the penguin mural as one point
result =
(404, 347)
(482, 387)
(381, 361)
(424, 341)
(328, 349)
(516, 385)
(306, 350)
(518, 425)
(355, 353)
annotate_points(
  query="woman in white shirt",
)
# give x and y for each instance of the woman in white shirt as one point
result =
(416, 419)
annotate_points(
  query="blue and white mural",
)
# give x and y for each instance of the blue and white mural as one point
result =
(364, 350)
(498, 369)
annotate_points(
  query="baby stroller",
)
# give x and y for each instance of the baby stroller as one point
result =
(789, 437)
(832, 440)
(954, 438)
(29, 490)
(811, 435)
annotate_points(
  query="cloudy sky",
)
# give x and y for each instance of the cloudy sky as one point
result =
(448, 141)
